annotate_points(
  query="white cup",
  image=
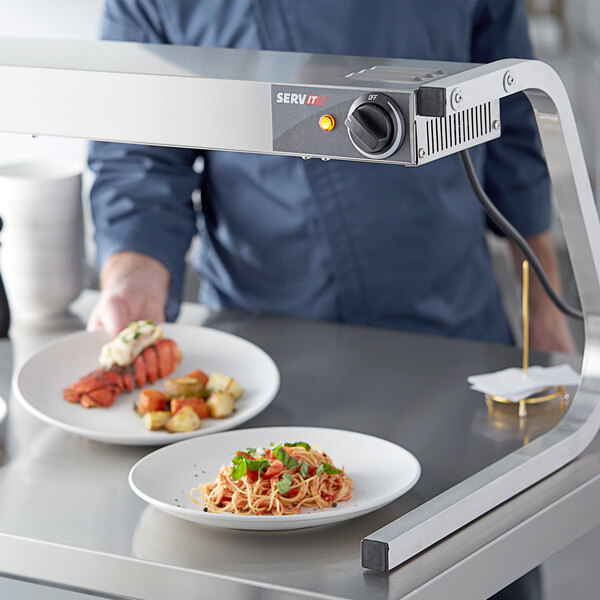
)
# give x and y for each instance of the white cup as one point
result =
(42, 252)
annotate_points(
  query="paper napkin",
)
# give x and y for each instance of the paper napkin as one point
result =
(515, 384)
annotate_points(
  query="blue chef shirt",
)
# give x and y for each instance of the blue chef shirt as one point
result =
(355, 242)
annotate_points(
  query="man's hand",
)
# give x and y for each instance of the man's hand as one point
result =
(549, 330)
(133, 286)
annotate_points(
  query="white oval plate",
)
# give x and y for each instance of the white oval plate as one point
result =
(381, 471)
(40, 381)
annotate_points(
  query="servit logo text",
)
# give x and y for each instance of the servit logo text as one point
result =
(288, 98)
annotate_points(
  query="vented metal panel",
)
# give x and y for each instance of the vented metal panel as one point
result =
(439, 136)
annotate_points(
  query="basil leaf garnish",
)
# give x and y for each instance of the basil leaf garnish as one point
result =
(302, 444)
(304, 466)
(257, 465)
(285, 483)
(327, 468)
(239, 470)
(288, 461)
(250, 451)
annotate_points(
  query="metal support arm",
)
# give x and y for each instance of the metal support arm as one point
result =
(451, 510)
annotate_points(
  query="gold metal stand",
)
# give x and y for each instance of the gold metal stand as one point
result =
(544, 394)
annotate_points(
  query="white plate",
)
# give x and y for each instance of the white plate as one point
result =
(381, 471)
(3, 409)
(40, 381)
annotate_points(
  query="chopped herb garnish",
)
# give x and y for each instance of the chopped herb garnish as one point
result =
(289, 461)
(133, 324)
(327, 468)
(239, 469)
(250, 451)
(149, 322)
(243, 462)
(304, 466)
(258, 465)
(136, 335)
(302, 444)
(285, 483)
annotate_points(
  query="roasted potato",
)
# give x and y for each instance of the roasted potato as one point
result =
(156, 419)
(220, 405)
(184, 387)
(222, 383)
(186, 419)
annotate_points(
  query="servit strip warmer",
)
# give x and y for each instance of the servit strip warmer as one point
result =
(327, 107)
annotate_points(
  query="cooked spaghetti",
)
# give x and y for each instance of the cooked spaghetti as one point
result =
(276, 481)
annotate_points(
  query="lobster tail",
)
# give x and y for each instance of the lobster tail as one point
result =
(102, 386)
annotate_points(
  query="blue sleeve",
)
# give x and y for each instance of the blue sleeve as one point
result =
(516, 177)
(141, 198)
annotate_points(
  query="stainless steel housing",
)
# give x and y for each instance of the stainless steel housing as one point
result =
(222, 99)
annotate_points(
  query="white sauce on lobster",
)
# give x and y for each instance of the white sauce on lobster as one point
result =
(129, 344)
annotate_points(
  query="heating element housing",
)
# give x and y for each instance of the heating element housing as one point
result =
(332, 107)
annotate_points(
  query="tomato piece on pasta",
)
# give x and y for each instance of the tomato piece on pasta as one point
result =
(274, 469)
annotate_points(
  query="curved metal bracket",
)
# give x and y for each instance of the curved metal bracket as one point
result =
(400, 540)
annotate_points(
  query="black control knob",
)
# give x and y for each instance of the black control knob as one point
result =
(371, 127)
(375, 125)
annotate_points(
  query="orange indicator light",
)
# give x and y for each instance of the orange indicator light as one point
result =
(326, 122)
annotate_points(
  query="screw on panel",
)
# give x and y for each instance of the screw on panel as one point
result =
(421, 152)
(325, 158)
(496, 125)
(509, 81)
(456, 98)
(306, 157)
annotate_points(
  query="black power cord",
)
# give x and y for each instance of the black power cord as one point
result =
(511, 233)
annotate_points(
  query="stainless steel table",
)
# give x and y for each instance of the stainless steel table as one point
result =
(68, 517)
